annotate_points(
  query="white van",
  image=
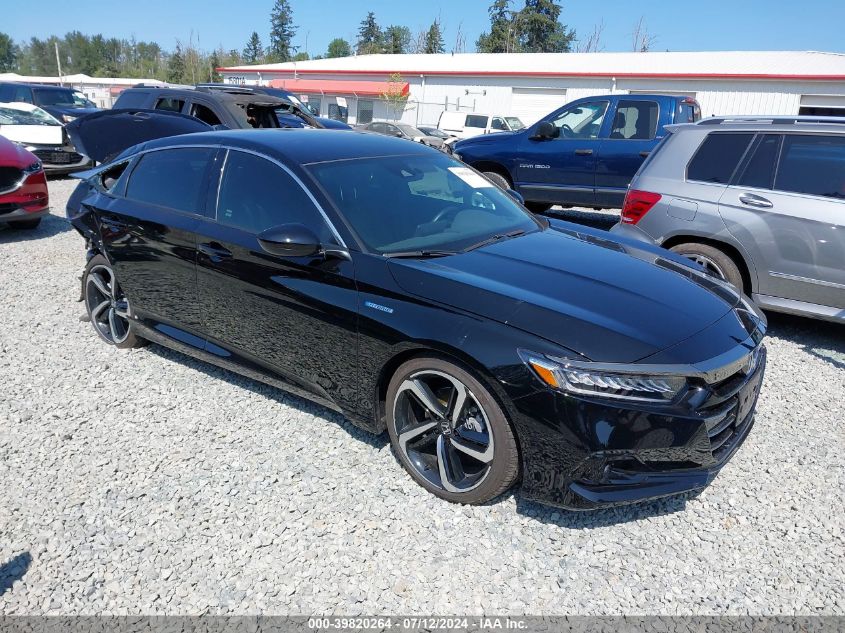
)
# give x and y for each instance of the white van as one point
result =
(467, 124)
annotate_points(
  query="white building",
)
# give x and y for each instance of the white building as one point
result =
(531, 85)
(103, 91)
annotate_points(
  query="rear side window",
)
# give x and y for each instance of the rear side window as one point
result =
(205, 114)
(172, 178)
(635, 121)
(688, 113)
(812, 165)
(760, 171)
(718, 157)
(132, 99)
(256, 194)
(170, 104)
(476, 120)
(498, 124)
(6, 92)
(22, 94)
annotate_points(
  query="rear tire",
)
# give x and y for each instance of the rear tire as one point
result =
(107, 306)
(499, 180)
(25, 225)
(717, 262)
(538, 207)
(449, 432)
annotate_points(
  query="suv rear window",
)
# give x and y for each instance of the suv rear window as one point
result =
(812, 164)
(131, 99)
(718, 157)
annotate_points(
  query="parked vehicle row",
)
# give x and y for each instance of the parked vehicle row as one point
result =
(386, 280)
(469, 124)
(403, 130)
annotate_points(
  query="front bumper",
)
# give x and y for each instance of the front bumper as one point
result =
(585, 453)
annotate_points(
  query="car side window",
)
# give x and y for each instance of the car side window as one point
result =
(172, 178)
(582, 121)
(635, 121)
(132, 99)
(760, 170)
(170, 104)
(476, 120)
(23, 94)
(257, 194)
(718, 157)
(205, 114)
(498, 124)
(812, 164)
(6, 92)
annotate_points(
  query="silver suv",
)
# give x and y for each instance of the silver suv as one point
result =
(757, 201)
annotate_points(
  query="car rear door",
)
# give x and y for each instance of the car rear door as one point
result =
(293, 317)
(788, 202)
(149, 233)
(562, 170)
(631, 137)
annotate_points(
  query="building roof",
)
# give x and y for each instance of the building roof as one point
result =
(807, 65)
(76, 79)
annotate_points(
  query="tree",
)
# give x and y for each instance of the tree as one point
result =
(339, 47)
(397, 39)
(301, 57)
(370, 37)
(176, 66)
(593, 43)
(282, 31)
(395, 95)
(254, 52)
(641, 39)
(8, 54)
(434, 39)
(502, 37)
(213, 65)
(540, 28)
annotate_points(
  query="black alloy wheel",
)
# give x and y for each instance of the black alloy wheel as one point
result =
(107, 306)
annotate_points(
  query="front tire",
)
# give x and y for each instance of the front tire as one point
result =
(449, 432)
(717, 262)
(107, 306)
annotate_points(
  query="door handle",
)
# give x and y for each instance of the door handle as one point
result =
(215, 251)
(756, 201)
(584, 152)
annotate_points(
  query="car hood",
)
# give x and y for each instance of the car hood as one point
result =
(603, 299)
(33, 134)
(107, 133)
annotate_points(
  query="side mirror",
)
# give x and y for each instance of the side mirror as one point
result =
(545, 130)
(289, 240)
(516, 196)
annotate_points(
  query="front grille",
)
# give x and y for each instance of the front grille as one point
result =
(730, 409)
(9, 177)
(57, 157)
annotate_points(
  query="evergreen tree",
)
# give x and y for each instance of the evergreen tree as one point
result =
(339, 47)
(397, 39)
(434, 39)
(8, 54)
(370, 37)
(282, 31)
(502, 37)
(540, 28)
(254, 52)
(213, 65)
(176, 66)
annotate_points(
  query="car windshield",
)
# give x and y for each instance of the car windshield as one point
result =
(434, 132)
(63, 98)
(514, 123)
(410, 130)
(403, 204)
(11, 116)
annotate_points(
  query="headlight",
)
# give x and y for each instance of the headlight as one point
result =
(67, 118)
(587, 379)
(33, 168)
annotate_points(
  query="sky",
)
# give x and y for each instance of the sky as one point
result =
(709, 25)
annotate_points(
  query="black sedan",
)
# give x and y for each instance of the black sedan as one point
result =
(392, 283)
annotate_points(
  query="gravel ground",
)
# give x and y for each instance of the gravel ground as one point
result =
(144, 482)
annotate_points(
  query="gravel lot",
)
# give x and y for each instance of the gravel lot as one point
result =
(144, 482)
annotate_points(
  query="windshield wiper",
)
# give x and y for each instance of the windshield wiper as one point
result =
(494, 238)
(418, 254)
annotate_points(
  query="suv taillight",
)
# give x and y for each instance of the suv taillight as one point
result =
(637, 204)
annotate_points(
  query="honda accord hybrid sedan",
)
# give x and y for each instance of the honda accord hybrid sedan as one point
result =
(387, 281)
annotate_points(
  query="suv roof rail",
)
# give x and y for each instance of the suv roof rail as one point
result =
(774, 120)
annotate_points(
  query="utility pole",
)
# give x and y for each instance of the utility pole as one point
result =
(59, 63)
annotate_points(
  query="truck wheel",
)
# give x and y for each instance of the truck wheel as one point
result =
(717, 262)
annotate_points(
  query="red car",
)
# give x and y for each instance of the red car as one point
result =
(23, 187)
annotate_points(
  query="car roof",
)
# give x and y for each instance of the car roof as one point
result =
(771, 123)
(218, 95)
(303, 146)
(39, 86)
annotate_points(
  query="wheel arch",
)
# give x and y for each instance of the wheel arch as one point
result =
(498, 168)
(747, 270)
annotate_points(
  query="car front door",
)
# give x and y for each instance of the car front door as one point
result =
(788, 203)
(292, 317)
(149, 237)
(632, 136)
(562, 170)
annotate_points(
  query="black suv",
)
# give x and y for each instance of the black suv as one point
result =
(64, 103)
(234, 109)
